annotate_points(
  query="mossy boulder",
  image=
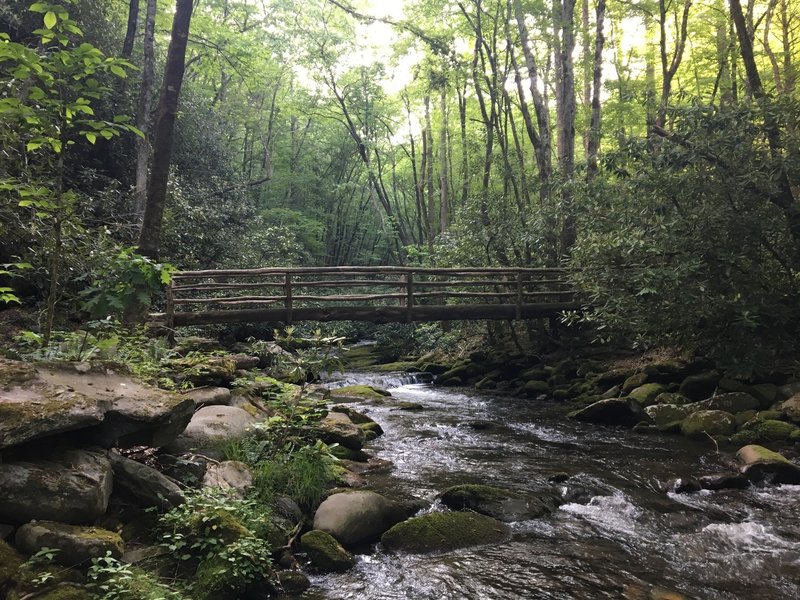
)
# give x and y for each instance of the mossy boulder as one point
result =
(763, 465)
(732, 402)
(67, 591)
(498, 503)
(708, 423)
(357, 517)
(337, 428)
(612, 377)
(325, 553)
(634, 381)
(700, 386)
(144, 484)
(672, 398)
(646, 394)
(459, 375)
(353, 393)
(535, 388)
(76, 544)
(444, 531)
(199, 370)
(293, 582)
(71, 486)
(667, 417)
(769, 430)
(538, 373)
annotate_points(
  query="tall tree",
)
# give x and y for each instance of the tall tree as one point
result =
(164, 131)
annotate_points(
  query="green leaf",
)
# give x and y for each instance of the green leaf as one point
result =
(91, 137)
(118, 71)
(50, 19)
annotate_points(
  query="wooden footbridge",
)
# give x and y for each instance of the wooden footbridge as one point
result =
(376, 294)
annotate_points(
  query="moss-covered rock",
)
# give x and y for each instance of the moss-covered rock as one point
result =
(634, 381)
(498, 503)
(203, 369)
(76, 544)
(535, 388)
(705, 423)
(325, 553)
(667, 417)
(646, 394)
(459, 375)
(732, 402)
(612, 377)
(10, 561)
(672, 398)
(700, 386)
(293, 582)
(760, 464)
(69, 591)
(611, 411)
(769, 430)
(353, 393)
(439, 532)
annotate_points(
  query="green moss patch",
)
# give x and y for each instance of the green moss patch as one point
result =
(440, 532)
(325, 553)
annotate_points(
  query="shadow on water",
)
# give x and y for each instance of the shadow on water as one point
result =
(616, 529)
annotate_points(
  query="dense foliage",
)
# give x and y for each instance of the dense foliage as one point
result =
(652, 145)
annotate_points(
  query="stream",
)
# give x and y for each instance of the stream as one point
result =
(616, 535)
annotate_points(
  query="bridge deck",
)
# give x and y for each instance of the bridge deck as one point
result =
(376, 294)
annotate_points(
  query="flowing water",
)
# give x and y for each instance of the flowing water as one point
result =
(616, 534)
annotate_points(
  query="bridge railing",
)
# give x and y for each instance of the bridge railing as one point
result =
(379, 294)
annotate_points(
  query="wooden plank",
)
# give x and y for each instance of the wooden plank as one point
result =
(378, 314)
(474, 271)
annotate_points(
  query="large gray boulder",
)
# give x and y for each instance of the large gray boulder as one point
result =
(356, 517)
(229, 475)
(210, 428)
(763, 465)
(209, 396)
(612, 411)
(110, 408)
(337, 428)
(705, 423)
(71, 486)
(144, 484)
(76, 544)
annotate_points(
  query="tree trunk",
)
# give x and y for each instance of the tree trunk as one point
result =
(444, 185)
(164, 130)
(143, 146)
(669, 66)
(593, 143)
(130, 33)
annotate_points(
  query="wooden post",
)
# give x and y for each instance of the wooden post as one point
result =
(409, 296)
(519, 296)
(287, 291)
(170, 297)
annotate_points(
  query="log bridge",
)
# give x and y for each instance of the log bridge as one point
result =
(375, 294)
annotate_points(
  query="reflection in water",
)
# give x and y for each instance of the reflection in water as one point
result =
(616, 527)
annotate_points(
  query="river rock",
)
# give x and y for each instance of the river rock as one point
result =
(791, 408)
(337, 428)
(70, 486)
(210, 427)
(293, 582)
(646, 394)
(708, 422)
(612, 411)
(145, 484)
(76, 544)
(229, 475)
(245, 361)
(209, 396)
(667, 416)
(443, 531)
(672, 398)
(325, 553)
(761, 464)
(700, 386)
(724, 481)
(732, 402)
(112, 409)
(358, 516)
(203, 370)
(498, 503)
(764, 430)
(10, 561)
(634, 381)
(788, 390)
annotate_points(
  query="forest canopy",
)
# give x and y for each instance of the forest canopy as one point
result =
(650, 146)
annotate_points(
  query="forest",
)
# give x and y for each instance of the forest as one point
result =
(651, 147)
(640, 441)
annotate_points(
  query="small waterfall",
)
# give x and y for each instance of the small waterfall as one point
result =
(384, 381)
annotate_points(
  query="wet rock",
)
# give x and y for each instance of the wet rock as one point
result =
(325, 553)
(700, 386)
(293, 582)
(346, 454)
(337, 428)
(229, 475)
(634, 381)
(443, 531)
(481, 425)
(534, 388)
(637, 591)
(612, 392)
(499, 503)
(286, 507)
(355, 416)
(683, 486)
(646, 394)
(356, 517)
(791, 408)
(371, 430)
(611, 411)
(612, 377)
(705, 423)
(760, 464)
(209, 396)
(672, 398)
(76, 544)
(145, 484)
(409, 406)
(210, 427)
(767, 393)
(458, 375)
(109, 408)
(724, 481)
(667, 417)
(70, 486)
